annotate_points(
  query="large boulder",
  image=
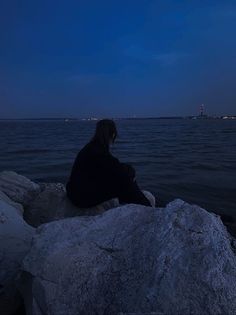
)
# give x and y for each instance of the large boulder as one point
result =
(17, 187)
(132, 259)
(15, 240)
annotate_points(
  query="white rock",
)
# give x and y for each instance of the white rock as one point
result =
(135, 260)
(15, 240)
(17, 187)
(16, 205)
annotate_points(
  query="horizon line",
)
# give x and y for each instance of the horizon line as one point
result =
(131, 117)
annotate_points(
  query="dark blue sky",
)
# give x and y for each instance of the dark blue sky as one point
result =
(117, 58)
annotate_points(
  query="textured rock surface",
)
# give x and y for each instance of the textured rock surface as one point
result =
(15, 240)
(133, 259)
(49, 205)
(16, 205)
(17, 187)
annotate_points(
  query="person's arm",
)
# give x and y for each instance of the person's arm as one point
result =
(129, 169)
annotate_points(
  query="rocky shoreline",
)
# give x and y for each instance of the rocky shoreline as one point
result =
(132, 259)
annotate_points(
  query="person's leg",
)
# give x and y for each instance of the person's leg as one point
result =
(148, 195)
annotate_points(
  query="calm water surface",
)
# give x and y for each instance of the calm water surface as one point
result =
(189, 159)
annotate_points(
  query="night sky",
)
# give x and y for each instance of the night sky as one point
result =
(117, 58)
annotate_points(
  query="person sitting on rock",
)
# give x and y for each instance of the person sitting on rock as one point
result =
(97, 176)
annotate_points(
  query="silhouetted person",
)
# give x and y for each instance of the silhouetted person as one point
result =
(98, 176)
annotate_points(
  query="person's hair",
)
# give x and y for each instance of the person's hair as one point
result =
(105, 132)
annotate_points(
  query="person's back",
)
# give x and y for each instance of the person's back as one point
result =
(91, 182)
(97, 176)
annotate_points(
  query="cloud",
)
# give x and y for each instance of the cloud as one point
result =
(170, 58)
(87, 78)
(227, 12)
(221, 13)
(164, 59)
(82, 77)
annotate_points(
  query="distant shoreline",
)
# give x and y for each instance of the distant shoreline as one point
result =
(66, 119)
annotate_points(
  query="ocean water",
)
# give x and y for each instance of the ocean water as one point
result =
(194, 160)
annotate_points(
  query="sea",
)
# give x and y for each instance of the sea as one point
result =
(194, 160)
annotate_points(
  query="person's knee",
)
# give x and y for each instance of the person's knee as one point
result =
(150, 197)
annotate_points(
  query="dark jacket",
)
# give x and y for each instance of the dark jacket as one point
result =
(98, 176)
